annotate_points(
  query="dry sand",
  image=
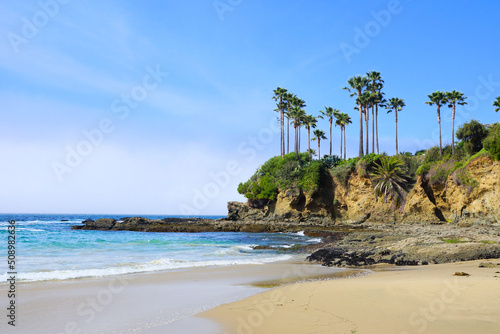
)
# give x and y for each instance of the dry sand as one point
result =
(427, 299)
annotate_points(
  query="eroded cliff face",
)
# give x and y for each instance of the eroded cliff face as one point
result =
(459, 199)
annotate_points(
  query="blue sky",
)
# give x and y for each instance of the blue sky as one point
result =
(163, 107)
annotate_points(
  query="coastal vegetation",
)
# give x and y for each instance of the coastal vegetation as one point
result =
(392, 177)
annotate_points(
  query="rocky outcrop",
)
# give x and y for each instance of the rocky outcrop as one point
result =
(468, 196)
(411, 244)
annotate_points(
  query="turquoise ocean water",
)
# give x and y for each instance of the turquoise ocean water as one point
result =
(48, 249)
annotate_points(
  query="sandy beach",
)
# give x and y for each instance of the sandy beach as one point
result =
(162, 302)
(425, 299)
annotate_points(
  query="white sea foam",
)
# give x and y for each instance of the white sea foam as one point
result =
(155, 265)
(22, 229)
(316, 240)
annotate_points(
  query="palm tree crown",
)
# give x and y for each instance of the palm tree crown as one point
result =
(319, 134)
(496, 104)
(390, 180)
(310, 122)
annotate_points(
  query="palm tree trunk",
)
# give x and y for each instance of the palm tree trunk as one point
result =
(288, 135)
(367, 130)
(300, 126)
(396, 116)
(319, 151)
(373, 130)
(340, 142)
(309, 141)
(330, 136)
(345, 149)
(360, 153)
(453, 131)
(439, 121)
(282, 136)
(376, 125)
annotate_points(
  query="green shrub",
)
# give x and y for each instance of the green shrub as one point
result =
(424, 169)
(331, 161)
(265, 189)
(420, 152)
(412, 163)
(343, 172)
(472, 135)
(492, 141)
(311, 176)
(463, 178)
(371, 159)
(432, 155)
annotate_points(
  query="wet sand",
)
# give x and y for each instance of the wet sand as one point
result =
(148, 303)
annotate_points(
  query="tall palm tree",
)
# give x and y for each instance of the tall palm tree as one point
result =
(279, 95)
(296, 114)
(454, 97)
(345, 121)
(338, 121)
(310, 122)
(319, 134)
(297, 122)
(329, 113)
(357, 84)
(438, 98)
(496, 104)
(395, 104)
(366, 100)
(375, 87)
(289, 98)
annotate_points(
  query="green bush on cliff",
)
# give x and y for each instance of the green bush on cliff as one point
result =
(492, 141)
(311, 176)
(343, 171)
(262, 189)
(472, 135)
(283, 173)
(332, 161)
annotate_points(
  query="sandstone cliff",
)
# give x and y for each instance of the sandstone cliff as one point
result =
(467, 196)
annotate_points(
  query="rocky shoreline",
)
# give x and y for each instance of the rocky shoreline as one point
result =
(344, 245)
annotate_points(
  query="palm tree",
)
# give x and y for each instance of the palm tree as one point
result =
(366, 101)
(288, 99)
(454, 97)
(395, 104)
(296, 114)
(357, 84)
(329, 113)
(279, 95)
(342, 120)
(375, 87)
(297, 121)
(338, 121)
(310, 122)
(319, 134)
(345, 121)
(390, 179)
(439, 99)
(496, 103)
